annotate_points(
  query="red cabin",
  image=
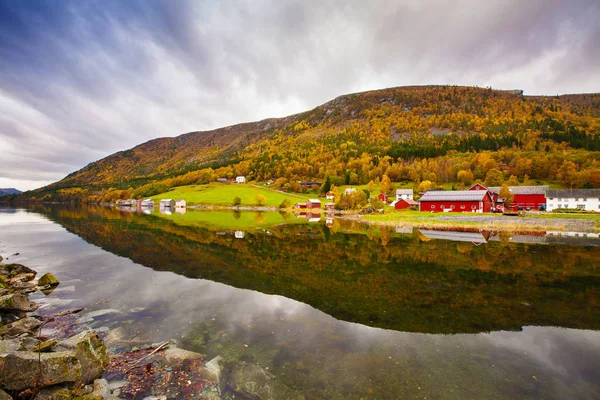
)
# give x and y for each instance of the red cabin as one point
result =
(403, 204)
(456, 201)
(313, 203)
(383, 197)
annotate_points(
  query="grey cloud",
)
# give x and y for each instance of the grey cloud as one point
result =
(103, 77)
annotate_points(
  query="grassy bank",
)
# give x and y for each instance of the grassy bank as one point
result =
(223, 193)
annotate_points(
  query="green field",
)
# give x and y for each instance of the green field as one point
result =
(222, 194)
(232, 220)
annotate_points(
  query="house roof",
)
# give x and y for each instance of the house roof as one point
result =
(410, 201)
(404, 191)
(166, 199)
(522, 189)
(314, 200)
(454, 195)
(574, 193)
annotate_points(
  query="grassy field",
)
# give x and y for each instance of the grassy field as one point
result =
(223, 194)
(230, 220)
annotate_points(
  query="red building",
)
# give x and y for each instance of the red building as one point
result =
(479, 186)
(383, 197)
(527, 197)
(456, 201)
(403, 204)
(300, 205)
(313, 203)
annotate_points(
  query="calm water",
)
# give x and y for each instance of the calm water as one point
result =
(343, 311)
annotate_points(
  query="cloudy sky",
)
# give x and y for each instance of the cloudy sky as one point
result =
(82, 79)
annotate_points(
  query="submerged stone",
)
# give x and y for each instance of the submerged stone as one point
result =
(20, 370)
(21, 326)
(16, 301)
(60, 393)
(254, 382)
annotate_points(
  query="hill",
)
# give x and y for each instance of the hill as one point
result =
(9, 191)
(410, 134)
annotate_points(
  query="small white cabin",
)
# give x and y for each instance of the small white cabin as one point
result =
(167, 203)
(148, 203)
(181, 203)
(240, 179)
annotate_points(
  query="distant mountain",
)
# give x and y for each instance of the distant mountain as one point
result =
(411, 134)
(9, 191)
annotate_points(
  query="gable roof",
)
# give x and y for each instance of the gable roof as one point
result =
(522, 189)
(408, 201)
(574, 193)
(314, 200)
(404, 191)
(454, 195)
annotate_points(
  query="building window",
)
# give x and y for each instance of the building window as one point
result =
(432, 206)
(581, 206)
(473, 207)
(442, 207)
(551, 198)
(452, 207)
(462, 207)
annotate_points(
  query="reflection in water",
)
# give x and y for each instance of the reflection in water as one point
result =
(409, 283)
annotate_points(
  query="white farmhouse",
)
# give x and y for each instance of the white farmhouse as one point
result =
(240, 179)
(406, 194)
(583, 199)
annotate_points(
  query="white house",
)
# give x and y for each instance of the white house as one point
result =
(349, 191)
(240, 179)
(148, 203)
(181, 203)
(583, 199)
(239, 234)
(406, 194)
(167, 203)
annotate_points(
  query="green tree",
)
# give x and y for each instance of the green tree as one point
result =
(237, 201)
(327, 185)
(261, 200)
(494, 177)
(285, 204)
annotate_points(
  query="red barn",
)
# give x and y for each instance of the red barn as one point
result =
(300, 205)
(403, 204)
(313, 203)
(528, 197)
(456, 201)
(383, 197)
(493, 195)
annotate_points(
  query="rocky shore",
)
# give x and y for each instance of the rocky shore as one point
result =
(74, 361)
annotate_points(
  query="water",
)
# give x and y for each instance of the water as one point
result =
(344, 311)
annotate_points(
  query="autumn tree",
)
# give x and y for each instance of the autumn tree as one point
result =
(465, 176)
(425, 186)
(513, 181)
(506, 194)
(494, 177)
(261, 200)
(386, 185)
(237, 201)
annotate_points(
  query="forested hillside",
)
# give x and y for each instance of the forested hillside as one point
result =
(440, 134)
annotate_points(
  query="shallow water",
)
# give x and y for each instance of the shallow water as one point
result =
(340, 311)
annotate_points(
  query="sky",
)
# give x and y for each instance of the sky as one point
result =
(82, 79)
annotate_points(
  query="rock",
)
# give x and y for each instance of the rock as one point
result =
(9, 271)
(114, 336)
(16, 301)
(28, 343)
(48, 279)
(91, 352)
(101, 391)
(176, 355)
(21, 278)
(3, 394)
(9, 346)
(155, 398)
(19, 370)
(254, 382)
(19, 327)
(214, 368)
(60, 393)
(114, 385)
(44, 346)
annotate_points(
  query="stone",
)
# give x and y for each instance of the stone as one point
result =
(9, 271)
(254, 382)
(21, 278)
(91, 352)
(155, 398)
(21, 326)
(214, 368)
(28, 343)
(19, 370)
(60, 393)
(114, 385)
(175, 355)
(101, 391)
(114, 336)
(9, 346)
(16, 301)
(44, 346)
(48, 279)
(3, 394)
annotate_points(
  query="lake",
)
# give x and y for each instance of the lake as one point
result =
(334, 309)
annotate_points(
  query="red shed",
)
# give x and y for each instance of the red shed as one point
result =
(456, 201)
(403, 204)
(528, 197)
(313, 203)
(383, 197)
(300, 205)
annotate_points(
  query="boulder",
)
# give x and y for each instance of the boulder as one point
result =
(9, 271)
(3, 394)
(91, 352)
(101, 391)
(55, 393)
(9, 346)
(21, 278)
(252, 382)
(175, 355)
(20, 326)
(16, 301)
(213, 370)
(48, 279)
(20, 370)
